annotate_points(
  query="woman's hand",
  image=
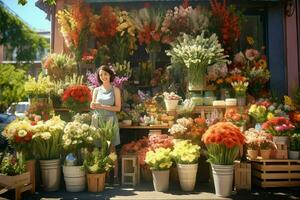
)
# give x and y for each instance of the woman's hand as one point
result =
(93, 105)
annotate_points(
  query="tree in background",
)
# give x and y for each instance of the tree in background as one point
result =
(15, 35)
(12, 85)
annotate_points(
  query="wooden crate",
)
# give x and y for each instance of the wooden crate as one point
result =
(20, 183)
(276, 173)
(242, 175)
(130, 170)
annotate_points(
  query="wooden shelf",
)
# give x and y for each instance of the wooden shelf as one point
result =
(143, 127)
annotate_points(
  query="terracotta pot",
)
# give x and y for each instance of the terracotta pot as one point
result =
(96, 182)
(265, 153)
(252, 154)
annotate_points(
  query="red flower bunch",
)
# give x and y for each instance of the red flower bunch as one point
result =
(104, 27)
(227, 22)
(77, 97)
(237, 118)
(224, 133)
(88, 58)
(278, 126)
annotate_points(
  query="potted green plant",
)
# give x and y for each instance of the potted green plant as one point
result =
(222, 141)
(186, 156)
(294, 152)
(197, 53)
(100, 161)
(160, 161)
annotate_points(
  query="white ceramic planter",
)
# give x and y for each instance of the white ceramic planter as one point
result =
(161, 180)
(171, 104)
(75, 178)
(51, 172)
(187, 176)
(223, 178)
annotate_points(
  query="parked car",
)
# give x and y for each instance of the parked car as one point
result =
(5, 119)
(18, 109)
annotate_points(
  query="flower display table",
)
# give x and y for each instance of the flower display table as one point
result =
(276, 173)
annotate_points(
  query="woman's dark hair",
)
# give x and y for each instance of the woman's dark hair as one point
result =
(108, 70)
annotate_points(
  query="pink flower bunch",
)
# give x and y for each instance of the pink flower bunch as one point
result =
(120, 81)
(278, 126)
(256, 139)
(157, 141)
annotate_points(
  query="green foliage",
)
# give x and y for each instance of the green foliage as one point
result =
(17, 35)
(48, 2)
(12, 85)
(12, 165)
(219, 154)
(295, 142)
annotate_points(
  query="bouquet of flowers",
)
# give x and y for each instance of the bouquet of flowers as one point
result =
(104, 26)
(148, 24)
(59, 65)
(40, 87)
(240, 88)
(74, 24)
(76, 136)
(278, 126)
(185, 152)
(123, 72)
(217, 75)
(123, 44)
(238, 118)
(19, 134)
(258, 139)
(222, 141)
(98, 162)
(92, 79)
(160, 141)
(258, 112)
(47, 140)
(159, 159)
(186, 109)
(77, 97)
(12, 165)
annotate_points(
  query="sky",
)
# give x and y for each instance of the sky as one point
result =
(30, 14)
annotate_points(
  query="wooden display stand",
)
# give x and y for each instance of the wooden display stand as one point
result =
(281, 152)
(242, 175)
(130, 170)
(20, 183)
(276, 173)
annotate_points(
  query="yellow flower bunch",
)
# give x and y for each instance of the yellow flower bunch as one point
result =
(240, 88)
(41, 86)
(185, 152)
(125, 24)
(159, 159)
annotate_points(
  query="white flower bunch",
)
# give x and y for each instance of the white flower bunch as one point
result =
(177, 129)
(187, 107)
(197, 51)
(76, 135)
(186, 122)
(240, 87)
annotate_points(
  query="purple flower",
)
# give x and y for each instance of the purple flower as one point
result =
(119, 81)
(92, 79)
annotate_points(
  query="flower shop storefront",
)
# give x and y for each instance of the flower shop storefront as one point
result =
(204, 90)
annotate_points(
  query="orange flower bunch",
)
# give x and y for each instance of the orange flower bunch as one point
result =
(224, 133)
(236, 78)
(237, 118)
(104, 26)
(148, 23)
(227, 23)
(72, 22)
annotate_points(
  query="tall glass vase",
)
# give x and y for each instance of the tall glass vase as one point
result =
(196, 75)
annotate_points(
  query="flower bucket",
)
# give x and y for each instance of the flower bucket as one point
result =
(161, 180)
(252, 154)
(197, 80)
(265, 153)
(171, 104)
(74, 178)
(51, 172)
(96, 182)
(223, 179)
(294, 155)
(281, 140)
(187, 176)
